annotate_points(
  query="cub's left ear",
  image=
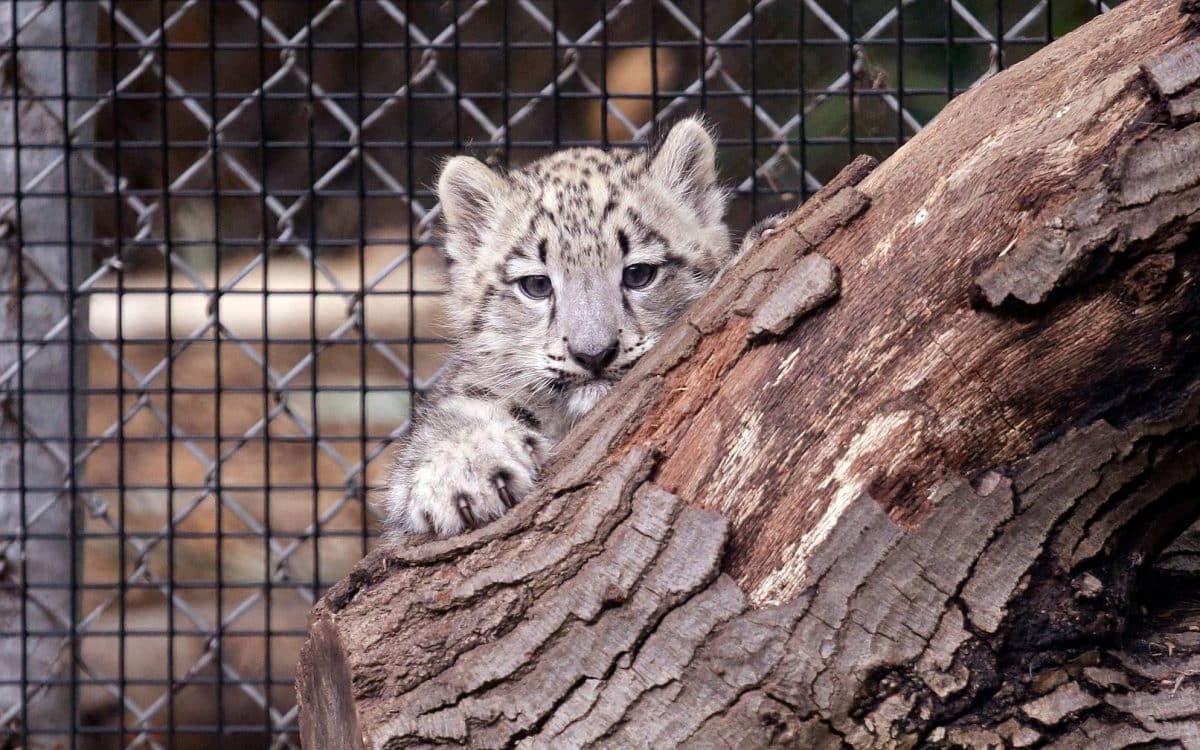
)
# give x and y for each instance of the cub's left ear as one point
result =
(687, 160)
(469, 192)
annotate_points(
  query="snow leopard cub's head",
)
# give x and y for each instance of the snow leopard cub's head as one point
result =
(563, 273)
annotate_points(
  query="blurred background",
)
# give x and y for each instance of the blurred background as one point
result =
(264, 288)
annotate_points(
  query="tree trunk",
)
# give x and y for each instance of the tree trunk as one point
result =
(45, 249)
(900, 479)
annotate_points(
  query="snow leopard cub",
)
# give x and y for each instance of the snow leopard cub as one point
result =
(562, 274)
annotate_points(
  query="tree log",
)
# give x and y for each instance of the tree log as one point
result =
(900, 479)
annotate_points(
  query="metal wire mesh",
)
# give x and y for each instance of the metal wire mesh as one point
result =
(257, 314)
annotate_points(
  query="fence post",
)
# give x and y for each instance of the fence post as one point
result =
(45, 251)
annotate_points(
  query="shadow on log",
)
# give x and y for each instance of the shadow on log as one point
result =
(902, 478)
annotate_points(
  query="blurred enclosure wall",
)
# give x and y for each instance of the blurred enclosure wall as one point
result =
(263, 292)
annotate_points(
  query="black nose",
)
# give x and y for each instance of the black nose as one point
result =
(595, 361)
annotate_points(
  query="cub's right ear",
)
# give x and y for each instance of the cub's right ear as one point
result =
(469, 192)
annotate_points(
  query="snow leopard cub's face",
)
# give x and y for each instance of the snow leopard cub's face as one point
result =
(564, 273)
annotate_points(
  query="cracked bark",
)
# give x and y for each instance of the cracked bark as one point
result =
(904, 477)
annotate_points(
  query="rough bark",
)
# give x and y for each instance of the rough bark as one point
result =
(45, 248)
(900, 479)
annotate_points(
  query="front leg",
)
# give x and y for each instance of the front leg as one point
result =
(761, 230)
(466, 461)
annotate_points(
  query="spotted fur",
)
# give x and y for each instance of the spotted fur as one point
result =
(525, 368)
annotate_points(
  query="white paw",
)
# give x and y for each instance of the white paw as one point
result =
(461, 482)
(762, 230)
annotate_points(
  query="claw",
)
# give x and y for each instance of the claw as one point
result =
(463, 503)
(505, 494)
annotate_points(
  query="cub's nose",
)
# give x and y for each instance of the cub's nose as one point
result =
(597, 360)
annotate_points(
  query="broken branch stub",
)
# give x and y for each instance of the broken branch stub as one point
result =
(922, 511)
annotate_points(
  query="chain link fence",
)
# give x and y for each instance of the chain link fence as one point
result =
(220, 280)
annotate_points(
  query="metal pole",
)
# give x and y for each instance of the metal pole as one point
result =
(46, 82)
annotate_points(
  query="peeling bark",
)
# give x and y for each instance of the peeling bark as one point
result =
(904, 477)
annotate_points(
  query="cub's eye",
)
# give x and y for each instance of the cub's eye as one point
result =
(639, 275)
(535, 287)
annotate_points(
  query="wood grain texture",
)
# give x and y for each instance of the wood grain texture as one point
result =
(330, 722)
(898, 480)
